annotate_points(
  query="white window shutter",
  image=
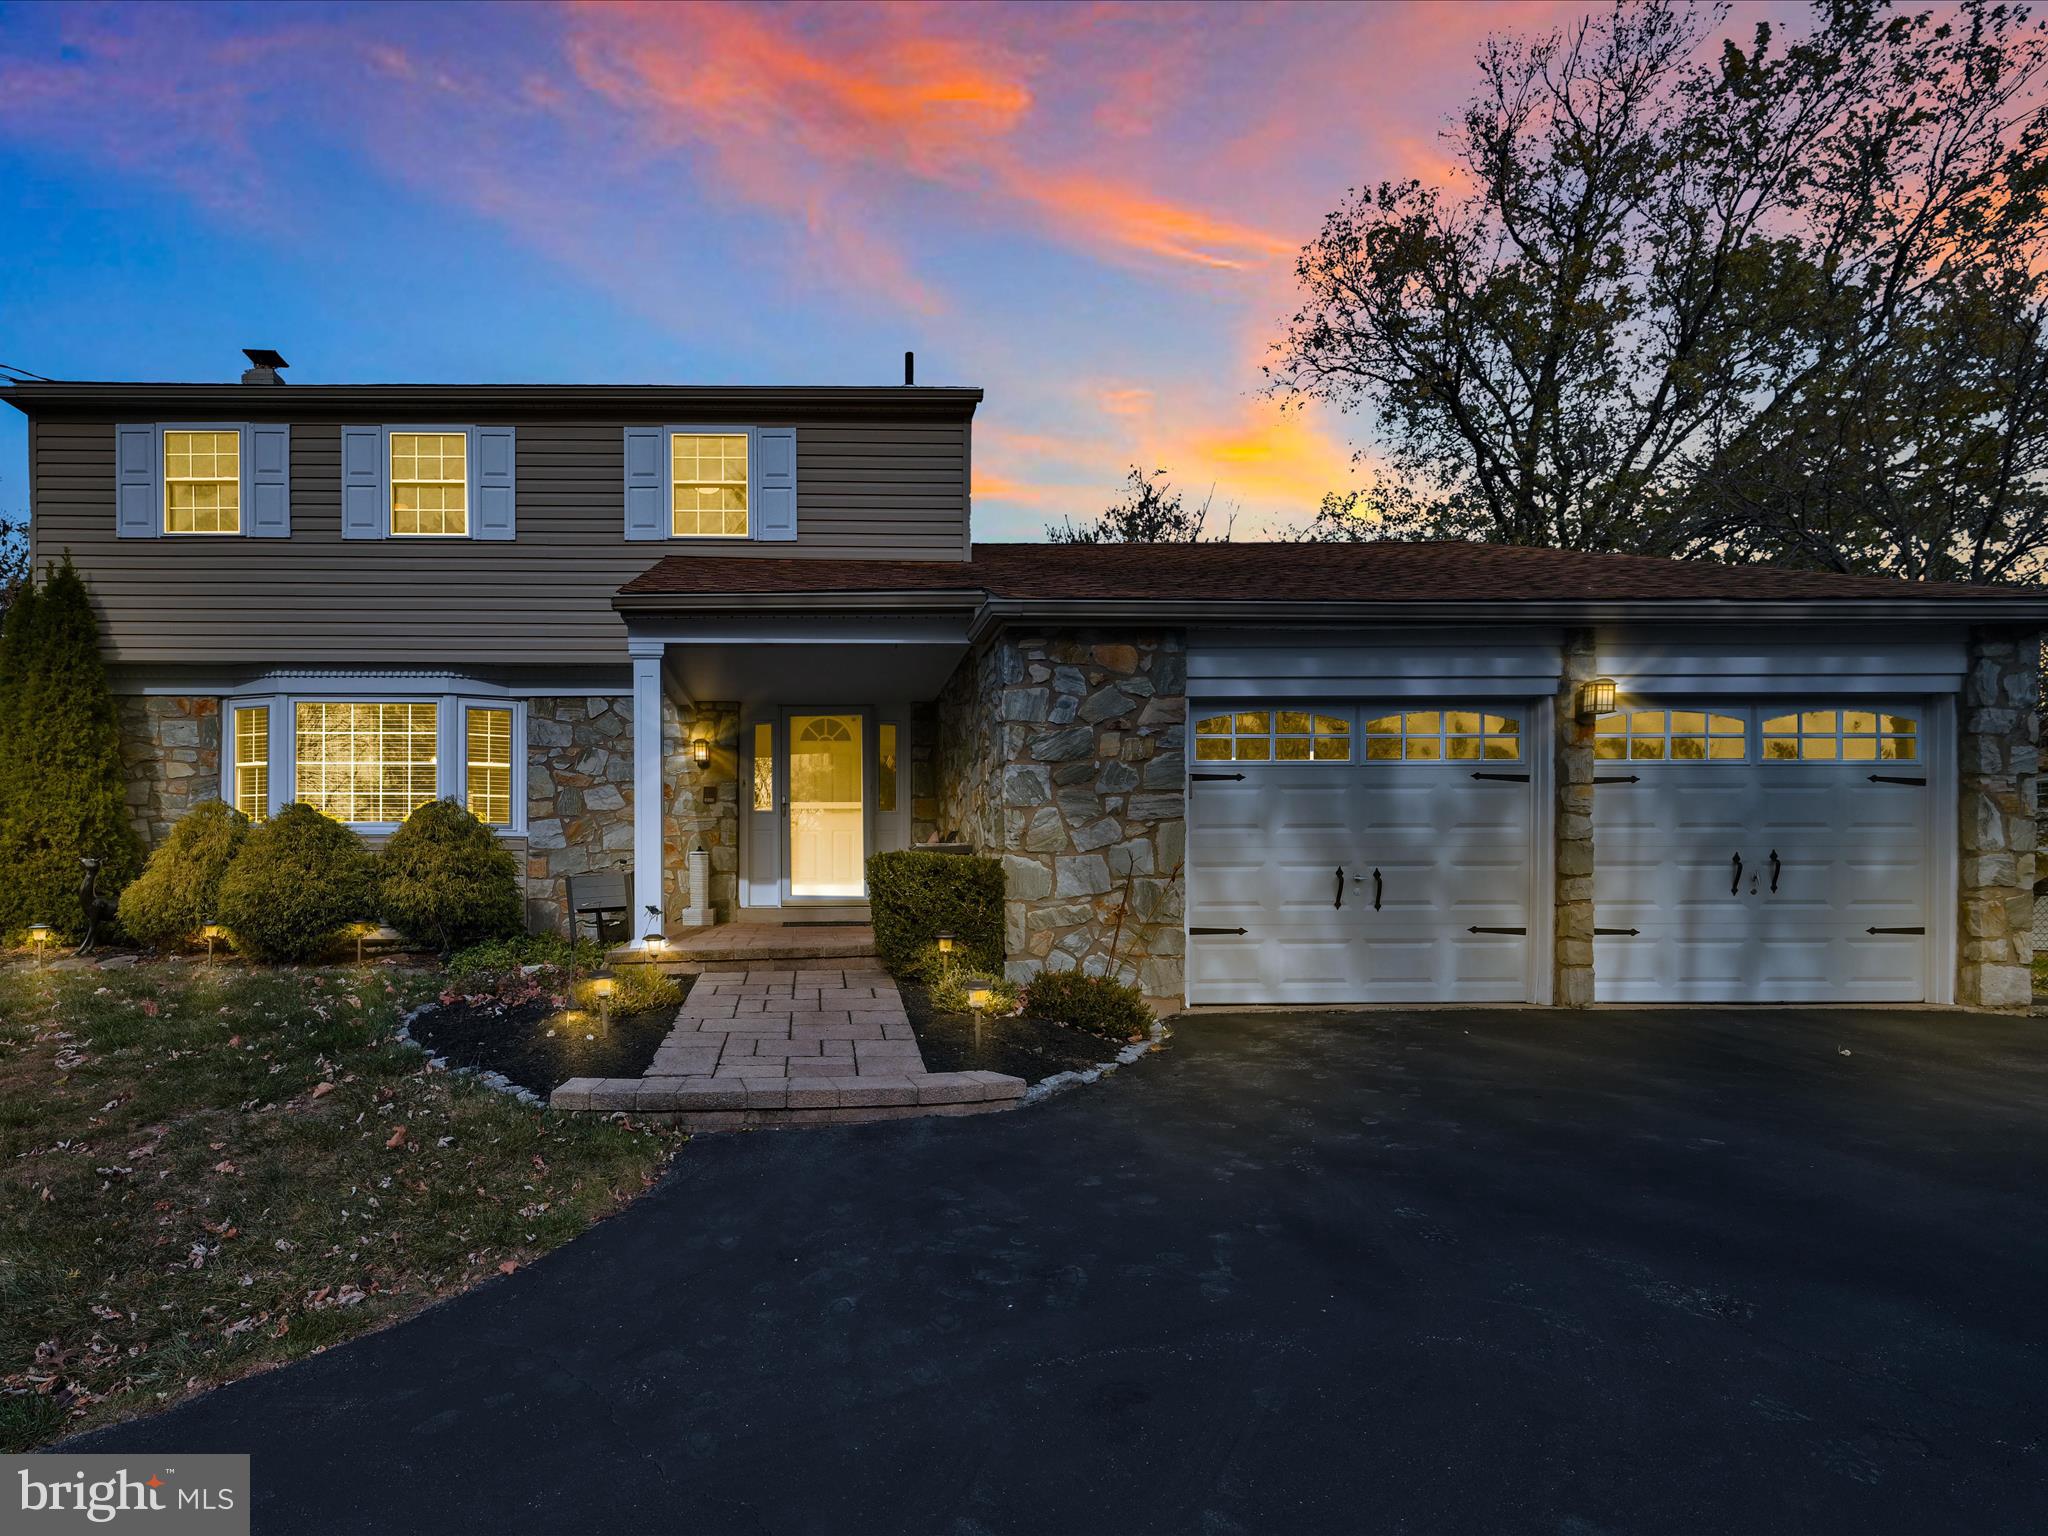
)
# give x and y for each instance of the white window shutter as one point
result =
(365, 496)
(492, 455)
(267, 479)
(647, 502)
(138, 494)
(772, 506)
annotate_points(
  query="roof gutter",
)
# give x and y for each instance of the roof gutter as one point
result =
(554, 400)
(2016, 611)
(963, 601)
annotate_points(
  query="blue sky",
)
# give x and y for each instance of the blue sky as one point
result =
(1090, 211)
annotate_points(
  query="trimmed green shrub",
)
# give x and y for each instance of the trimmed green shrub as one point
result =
(1094, 1003)
(548, 950)
(299, 879)
(178, 890)
(445, 880)
(916, 896)
(63, 784)
(950, 993)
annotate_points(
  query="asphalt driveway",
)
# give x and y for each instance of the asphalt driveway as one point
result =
(1694, 1271)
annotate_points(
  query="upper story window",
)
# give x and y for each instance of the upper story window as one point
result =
(709, 484)
(203, 482)
(429, 484)
(712, 482)
(206, 478)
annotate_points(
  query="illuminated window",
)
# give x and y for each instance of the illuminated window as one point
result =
(252, 761)
(203, 482)
(1301, 736)
(709, 477)
(1840, 735)
(367, 762)
(885, 754)
(429, 483)
(1443, 735)
(1670, 735)
(488, 760)
(1243, 737)
(764, 767)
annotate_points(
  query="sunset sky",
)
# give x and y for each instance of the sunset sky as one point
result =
(1091, 211)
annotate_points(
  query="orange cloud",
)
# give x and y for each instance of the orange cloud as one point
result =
(813, 110)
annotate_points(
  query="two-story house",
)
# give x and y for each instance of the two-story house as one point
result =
(626, 624)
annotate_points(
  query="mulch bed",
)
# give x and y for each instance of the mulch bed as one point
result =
(1033, 1049)
(514, 1039)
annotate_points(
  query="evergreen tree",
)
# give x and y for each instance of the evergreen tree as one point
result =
(62, 794)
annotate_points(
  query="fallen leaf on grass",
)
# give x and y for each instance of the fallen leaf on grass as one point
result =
(507, 1267)
(397, 1140)
(321, 1090)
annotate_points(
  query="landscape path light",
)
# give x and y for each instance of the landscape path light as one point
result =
(39, 936)
(603, 984)
(212, 931)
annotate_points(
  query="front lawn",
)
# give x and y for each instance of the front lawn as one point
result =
(210, 1169)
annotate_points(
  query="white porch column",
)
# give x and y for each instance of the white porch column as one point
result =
(647, 797)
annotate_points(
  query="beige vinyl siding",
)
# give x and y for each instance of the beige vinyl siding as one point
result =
(875, 490)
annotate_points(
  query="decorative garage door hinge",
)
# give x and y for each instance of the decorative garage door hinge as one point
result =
(1215, 775)
(1506, 778)
(1619, 778)
(1215, 930)
(1895, 930)
(1616, 933)
(1886, 778)
(1496, 930)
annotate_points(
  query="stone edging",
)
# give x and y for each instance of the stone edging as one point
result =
(1060, 1082)
(758, 1105)
(497, 1082)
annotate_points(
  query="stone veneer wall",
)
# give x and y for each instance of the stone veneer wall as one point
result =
(1066, 757)
(1572, 925)
(172, 749)
(579, 798)
(924, 773)
(1998, 756)
(702, 807)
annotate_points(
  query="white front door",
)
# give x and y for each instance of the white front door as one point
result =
(1761, 853)
(826, 833)
(1369, 854)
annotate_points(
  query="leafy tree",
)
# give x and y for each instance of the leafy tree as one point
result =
(62, 780)
(1763, 301)
(1151, 512)
(13, 559)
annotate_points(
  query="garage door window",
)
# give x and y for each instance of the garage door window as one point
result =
(1443, 735)
(1670, 735)
(1273, 735)
(1840, 735)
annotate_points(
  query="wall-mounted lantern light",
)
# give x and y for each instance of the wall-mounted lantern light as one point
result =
(39, 936)
(700, 752)
(1596, 698)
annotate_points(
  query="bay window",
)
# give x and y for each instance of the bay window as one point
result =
(371, 760)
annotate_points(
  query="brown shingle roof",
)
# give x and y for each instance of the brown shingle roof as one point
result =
(1346, 573)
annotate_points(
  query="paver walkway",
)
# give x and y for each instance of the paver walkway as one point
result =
(789, 1045)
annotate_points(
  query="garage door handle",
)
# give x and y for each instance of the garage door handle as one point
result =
(1775, 867)
(1340, 887)
(1376, 887)
(1735, 885)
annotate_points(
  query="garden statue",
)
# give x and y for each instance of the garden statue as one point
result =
(96, 910)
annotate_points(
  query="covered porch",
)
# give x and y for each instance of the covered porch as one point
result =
(793, 746)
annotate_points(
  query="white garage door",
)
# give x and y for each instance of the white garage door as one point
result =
(1761, 853)
(1348, 854)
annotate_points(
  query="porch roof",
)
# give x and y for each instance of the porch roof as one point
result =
(1225, 581)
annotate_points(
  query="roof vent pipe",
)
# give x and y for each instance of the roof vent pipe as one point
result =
(909, 369)
(263, 366)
